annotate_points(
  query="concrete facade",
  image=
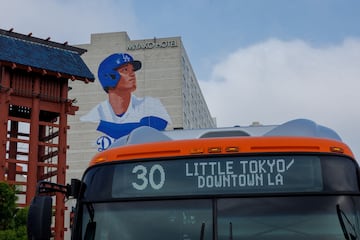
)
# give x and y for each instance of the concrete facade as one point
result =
(166, 74)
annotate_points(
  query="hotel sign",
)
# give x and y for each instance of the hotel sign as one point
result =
(151, 44)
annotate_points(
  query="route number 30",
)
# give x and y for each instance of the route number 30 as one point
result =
(146, 177)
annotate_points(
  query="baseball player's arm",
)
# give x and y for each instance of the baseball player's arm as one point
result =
(117, 130)
(154, 122)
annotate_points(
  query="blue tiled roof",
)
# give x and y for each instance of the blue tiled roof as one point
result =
(40, 55)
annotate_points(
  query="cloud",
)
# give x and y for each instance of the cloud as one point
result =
(276, 81)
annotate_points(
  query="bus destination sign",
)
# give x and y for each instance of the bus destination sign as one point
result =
(235, 175)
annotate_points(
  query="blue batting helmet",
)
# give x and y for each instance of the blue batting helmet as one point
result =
(107, 72)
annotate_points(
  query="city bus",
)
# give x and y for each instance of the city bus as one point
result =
(297, 180)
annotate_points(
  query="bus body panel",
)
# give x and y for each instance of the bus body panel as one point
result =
(244, 145)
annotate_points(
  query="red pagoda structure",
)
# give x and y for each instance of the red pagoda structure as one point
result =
(34, 105)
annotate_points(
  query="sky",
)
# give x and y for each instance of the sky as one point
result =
(268, 61)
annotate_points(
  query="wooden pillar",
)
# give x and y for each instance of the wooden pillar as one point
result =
(34, 143)
(60, 204)
(4, 115)
(13, 150)
(41, 151)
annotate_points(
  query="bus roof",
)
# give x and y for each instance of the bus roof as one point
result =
(297, 127)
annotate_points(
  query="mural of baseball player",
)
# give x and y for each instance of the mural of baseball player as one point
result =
(123, 111)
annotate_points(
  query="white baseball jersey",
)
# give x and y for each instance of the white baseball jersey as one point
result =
(138, 109)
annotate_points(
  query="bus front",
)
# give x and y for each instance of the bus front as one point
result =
(226, 188)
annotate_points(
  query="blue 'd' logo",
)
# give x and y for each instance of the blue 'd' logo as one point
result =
(103, 142)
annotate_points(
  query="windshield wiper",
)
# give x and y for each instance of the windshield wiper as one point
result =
(202, 231)
(91, 226)
(231, 231)
(341, 216)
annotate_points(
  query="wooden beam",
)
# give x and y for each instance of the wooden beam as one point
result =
(4, 110)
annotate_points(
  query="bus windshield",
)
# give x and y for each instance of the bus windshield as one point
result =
(275, 218)
(224, 197)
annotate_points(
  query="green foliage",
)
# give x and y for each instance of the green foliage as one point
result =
(7, 205)
(14, 234)
(12, 219)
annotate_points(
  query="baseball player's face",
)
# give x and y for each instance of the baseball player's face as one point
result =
(128, 78)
